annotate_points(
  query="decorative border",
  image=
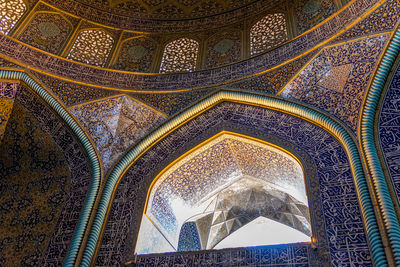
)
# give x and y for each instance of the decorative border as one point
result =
(369, 150)
(87, 145)
(268, 102)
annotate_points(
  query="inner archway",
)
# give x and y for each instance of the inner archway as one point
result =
(227, 187)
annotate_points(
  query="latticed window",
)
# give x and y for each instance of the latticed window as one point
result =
(10, 12)
(267, 33)
(92, 47)
(180, 55)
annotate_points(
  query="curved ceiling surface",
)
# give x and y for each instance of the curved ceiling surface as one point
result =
(164, 15)
(171, 9)
(228, 165)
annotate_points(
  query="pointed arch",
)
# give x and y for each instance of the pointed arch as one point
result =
(266, 102)
(369, 146)
(214, 179)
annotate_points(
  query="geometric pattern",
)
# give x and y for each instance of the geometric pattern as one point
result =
(311, 12)
(384, 18)
(47, 31)
(337, 79)
(239, 204)
(115, 124)
(92, 47)
(268, 33)
(273, 81)
(8, 91)
(223, 163)
(180, 55)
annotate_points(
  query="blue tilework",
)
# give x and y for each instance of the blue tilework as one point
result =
(189, 238)
(384, 18)
(80, 171)
(319, 83)
(389, 129)
(335, 212)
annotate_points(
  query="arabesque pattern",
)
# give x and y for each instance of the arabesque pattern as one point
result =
(180, 55)
(92, 47)
(10, 12)
(47, 31)
(267, 33)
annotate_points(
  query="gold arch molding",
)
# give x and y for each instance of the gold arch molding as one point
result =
(335, 128)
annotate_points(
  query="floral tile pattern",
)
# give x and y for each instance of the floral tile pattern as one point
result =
(336, 80)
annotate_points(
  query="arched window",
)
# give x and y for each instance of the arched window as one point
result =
(267, 33)
(92, 47)
(180, 55)
(231, 191)
(10, 12)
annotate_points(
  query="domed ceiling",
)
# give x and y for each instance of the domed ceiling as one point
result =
(149, 14)
(170, 9)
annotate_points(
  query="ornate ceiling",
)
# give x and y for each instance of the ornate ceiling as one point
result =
(225, 175)
(169, 9)
(162, 15)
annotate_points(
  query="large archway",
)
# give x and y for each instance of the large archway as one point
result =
(223, 189)
(334, 174)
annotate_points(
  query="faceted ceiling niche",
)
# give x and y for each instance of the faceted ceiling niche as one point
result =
(231, 191)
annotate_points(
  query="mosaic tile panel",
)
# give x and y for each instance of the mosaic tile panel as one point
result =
(273, 81)
(47, 31)
(115, 124)
(30, 207)
(336, 80)
(71, 93)
(389, 130)
(384, 18)
(311, 12)
(136, 55)
(223, 48)
(51, 200)
(7, 95)
(103, 77)
(282, 255)
(171, 103)
(334, 207)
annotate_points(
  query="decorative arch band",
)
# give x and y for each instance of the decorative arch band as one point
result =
(87, 145)
(268, 102)
(368, 145)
